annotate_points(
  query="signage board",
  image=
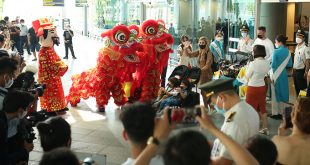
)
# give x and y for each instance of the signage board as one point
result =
(53, 3)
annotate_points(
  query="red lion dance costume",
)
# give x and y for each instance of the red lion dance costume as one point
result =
(157, 43)
(51, 68)
(112, 70)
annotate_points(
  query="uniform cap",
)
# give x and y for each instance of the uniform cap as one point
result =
(217, 86)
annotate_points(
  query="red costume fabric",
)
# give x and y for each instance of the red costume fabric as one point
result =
(115, 65)
(157, 44)
(51, 69)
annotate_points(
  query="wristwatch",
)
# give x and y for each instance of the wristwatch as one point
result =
(152, 140)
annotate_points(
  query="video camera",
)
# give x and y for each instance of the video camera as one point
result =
(38, 89)
(25, 81)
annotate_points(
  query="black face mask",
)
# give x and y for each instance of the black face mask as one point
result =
(260, 36)
(202, 46)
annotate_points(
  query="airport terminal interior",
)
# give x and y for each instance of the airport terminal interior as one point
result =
(127, 78)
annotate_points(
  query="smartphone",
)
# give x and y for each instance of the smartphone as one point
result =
(169, 114)
(287, 117)
(197, 111)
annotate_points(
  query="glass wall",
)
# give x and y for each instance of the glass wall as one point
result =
(203, 17)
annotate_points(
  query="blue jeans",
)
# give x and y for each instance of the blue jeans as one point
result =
(24, 40)
(170, 101)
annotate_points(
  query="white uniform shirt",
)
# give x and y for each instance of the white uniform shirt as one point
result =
(256, 72)
(268, 46)
(244, 124)
(302, 53)
(157, 160)
(243, 47)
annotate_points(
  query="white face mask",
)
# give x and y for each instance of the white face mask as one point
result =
(219, 39)
(9, 83)
(244, 34)
(299, 40)
(277, 46)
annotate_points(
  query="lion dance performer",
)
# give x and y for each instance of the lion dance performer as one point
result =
(157, 43)
(51, 68)
(111, 71)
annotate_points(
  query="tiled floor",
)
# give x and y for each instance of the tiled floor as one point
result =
(97, 134)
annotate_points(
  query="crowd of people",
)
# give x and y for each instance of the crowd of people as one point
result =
(149, 135)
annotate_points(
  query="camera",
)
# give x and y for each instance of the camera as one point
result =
(38, 89)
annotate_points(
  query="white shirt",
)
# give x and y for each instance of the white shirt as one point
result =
(302, 53)
(23, 30)
(157, 160)
(256, 72)
(244, 124)
(245, 47)
(184, 59)
(268, 46)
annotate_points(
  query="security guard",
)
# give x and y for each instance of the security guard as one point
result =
(241, 120)
(301, 62)
(245, 42)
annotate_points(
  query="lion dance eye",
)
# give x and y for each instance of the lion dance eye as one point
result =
(120, 37)
(150, 30)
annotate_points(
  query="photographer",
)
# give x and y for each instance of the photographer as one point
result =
(14, 147)
(8, 66)
(294, 149)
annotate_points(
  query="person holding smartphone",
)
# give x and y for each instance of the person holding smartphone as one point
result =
(293, 149)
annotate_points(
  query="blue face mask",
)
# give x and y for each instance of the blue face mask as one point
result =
(221, 111)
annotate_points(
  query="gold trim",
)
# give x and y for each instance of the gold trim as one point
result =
(209, 94)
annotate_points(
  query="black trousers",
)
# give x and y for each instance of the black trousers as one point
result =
(299, 80)
(70, 46)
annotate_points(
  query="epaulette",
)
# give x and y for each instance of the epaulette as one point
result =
(230, 117)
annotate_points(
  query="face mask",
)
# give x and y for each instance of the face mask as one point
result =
(299, 40)
(202, 46)
(9, 83)
(259, 36)
(243, 35)
(219, 39)
(276, 45)
(221, 111)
